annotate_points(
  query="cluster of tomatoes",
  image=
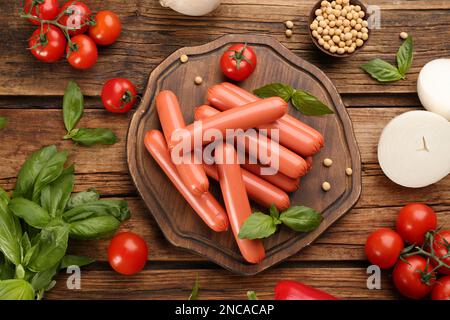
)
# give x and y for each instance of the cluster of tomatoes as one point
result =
(417, 266)
(70, 30)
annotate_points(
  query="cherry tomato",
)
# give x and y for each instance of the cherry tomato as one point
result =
(414, 221)
(47, 45)
(441, 289)
(107, 28)
(127, 253)
(238, 62)
(441, 248)
(44, 10)
(408, 277)
(76, 17)
(383, 247)
(118, 95)
(84, 54)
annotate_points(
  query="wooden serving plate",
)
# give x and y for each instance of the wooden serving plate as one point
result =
(179, 223)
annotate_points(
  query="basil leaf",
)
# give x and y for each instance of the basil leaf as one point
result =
(195, 290)
(77, 199)
(308, 104)
(73, 106)
(54, 197)
(91, 136)
(274, 213)
(16, 289)
(3, 122)
(405, 56)
(10, 231)
(31, 212)
(301, 219)
(257, 226)
(51, 248)
(49, 173)
(251, 295)
(70, 260)
(382, 71)
(283, 91)
(43, 279)
(94, 228)
(116, 208)
(31, 169)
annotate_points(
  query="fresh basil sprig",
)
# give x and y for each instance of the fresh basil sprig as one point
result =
(303, 101)
(3, 122)
(73, 107)
(385, 72)
(298, 218)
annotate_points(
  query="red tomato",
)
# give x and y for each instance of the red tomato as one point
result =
(293, 290)
(383, 247)
(441, 289)
(118, 95)
(107, 28)
(441, 247)
(84, 54)
(127, 253)
(408, 277)
(48, 45)
(46, 10)
(414, 221)
(76, 17)
(238, 62)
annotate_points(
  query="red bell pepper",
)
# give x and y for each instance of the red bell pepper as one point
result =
(293, 290)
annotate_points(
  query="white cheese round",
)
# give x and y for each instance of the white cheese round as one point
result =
(433, 87)
(414, 149)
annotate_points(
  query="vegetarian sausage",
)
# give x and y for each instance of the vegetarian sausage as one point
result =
(280, 180)
(236, 201)
(259, 190)
(289, 163)
(243, 117)
(300, 138)
(205, 204)
(171, 118)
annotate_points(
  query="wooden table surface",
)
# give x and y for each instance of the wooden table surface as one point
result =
(31, 97)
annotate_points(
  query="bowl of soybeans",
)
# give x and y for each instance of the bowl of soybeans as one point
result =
(339, 28)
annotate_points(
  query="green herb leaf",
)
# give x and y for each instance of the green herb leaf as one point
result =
(116, 208)
(382, 71)
(257, 226)
(54, 197)
(43, 279)
(301, 219)
(251, 295)
(94, 228)
(30, 171)
(308, 104)
(281, 90)
(77, 199)
(195, 290)
(73, 106)
(31, 212)
(16, 289)
(405, 56)
(10, 231)
(91, 136)
(70, 260)
(274, 213)
(3, 122)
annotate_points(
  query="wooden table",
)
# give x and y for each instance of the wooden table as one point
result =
(31, 97)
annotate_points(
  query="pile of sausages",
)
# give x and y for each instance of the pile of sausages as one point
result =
(231, 107)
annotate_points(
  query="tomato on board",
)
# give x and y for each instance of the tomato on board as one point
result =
(107, 28)
(127, 253)
(441, 289)
(383, 247)
(441, 248)
(414, 221)
(238, 62)
(408, 277)
(42, 9)
(47, 44)
(76, 17)
(118, 95)
(84, 53)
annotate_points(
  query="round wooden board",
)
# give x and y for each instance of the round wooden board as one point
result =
(179, 223)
